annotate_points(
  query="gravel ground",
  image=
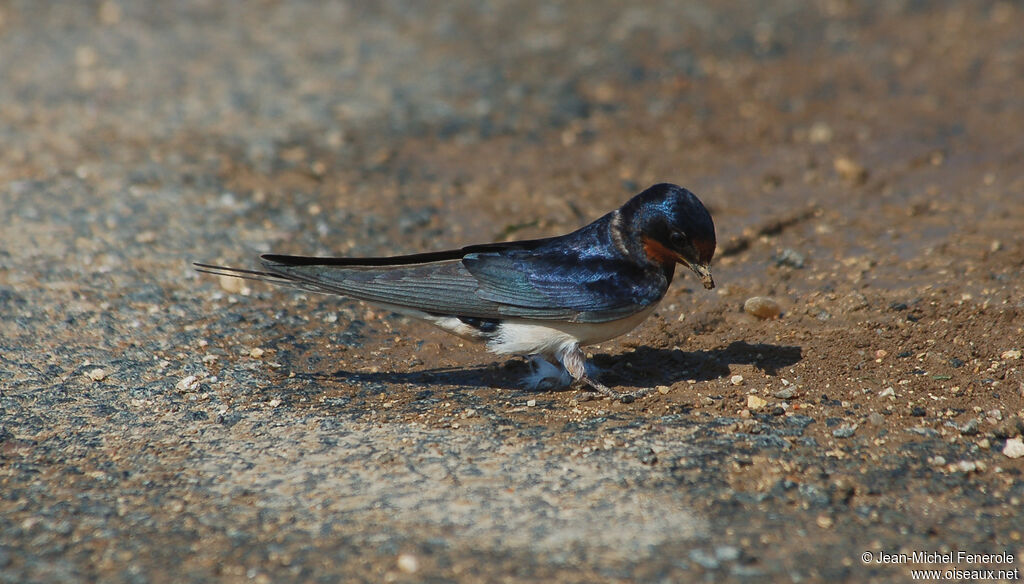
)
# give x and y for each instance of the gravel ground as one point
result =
(865, 167)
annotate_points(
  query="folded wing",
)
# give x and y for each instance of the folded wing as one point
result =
(491, 281)
(538, 285)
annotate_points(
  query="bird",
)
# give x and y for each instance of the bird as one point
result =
(539, 298)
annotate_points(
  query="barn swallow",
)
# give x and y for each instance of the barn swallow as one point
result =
(543, 298)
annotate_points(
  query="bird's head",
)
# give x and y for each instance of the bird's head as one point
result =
(671, 225)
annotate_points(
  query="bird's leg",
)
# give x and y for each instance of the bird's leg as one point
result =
(575, 363)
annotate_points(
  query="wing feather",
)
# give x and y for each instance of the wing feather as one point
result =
(438, 287)
(582, 290)
(527, 279)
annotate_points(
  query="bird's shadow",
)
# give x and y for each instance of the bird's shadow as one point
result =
(642, 368)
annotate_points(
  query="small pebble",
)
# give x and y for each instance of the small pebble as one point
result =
(844, 431)
(824, 521)
(231, 284)
(98, 374)
(819, 133)
(187, 384)
(663, 389)
(648, 456)
(736, 379)
(790, 258)
(785, 393)
(531, 402)
(408, 563)
(1014, 448)
(850, 170)
(964, 466)
(970, 427)
(762, 307)
(876, 419)
(755, 402)
(110, 13)
(704, 559)
(727, 553)
(887, 392)
(256, 352)
(1012, 354)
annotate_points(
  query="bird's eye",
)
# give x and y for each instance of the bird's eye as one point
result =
(677, 238)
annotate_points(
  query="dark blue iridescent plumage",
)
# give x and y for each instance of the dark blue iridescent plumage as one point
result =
(542, 296)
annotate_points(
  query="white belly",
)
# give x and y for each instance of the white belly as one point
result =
(531, 337)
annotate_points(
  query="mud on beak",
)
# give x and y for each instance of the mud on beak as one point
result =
(704, 272)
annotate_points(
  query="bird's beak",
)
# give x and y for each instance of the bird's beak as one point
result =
(704, 271)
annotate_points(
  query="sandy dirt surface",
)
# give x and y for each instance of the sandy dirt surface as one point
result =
(864, 163)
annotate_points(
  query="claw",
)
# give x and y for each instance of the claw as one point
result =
(624, 397)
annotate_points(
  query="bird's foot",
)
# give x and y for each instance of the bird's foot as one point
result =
(545, 375)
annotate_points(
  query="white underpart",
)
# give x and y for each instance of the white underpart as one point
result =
(554, 341)
(533, 337)
(545, 341)
(455, 326)
(450, 324)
